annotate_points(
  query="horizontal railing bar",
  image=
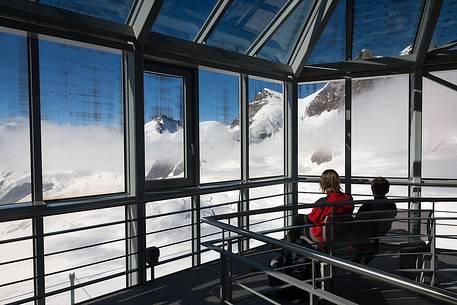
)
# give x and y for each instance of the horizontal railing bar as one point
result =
(15, 240)
(92, 264)
(17, 260)
(89, 246)
(271, 301)
(435, 293)
(175, 243)
(17, 282)
(168, 229)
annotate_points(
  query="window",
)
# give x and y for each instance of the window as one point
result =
(220, 149)
(380, 126)
(15, 182)
(321, 126)
(112, 248)
(167, 126)
(183, 18)
(332, 42)
(439, 128)
(168, 227)
(217, 204)
(280, 46)
(445, 28)
(113, 10)
(82, 120)
(266, 128)
(243, 22)
(385, 30)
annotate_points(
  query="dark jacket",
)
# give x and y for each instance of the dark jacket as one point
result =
(372, 211)
(318, 214)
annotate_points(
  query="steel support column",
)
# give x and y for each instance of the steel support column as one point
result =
(142, 18)
(347, 135)
(291, 147)
(415, 146)
(135, 179)
(243, 221)
(36, 167)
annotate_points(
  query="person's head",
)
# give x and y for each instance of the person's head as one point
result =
(380, 187)
(330, 181)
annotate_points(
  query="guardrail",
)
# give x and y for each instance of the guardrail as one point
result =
(224, 247)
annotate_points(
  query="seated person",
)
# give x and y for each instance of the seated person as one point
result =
(329, 184)
(385, 211)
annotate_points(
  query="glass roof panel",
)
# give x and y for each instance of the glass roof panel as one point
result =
(331, 45)
(113, 10)
(183, 18)
(446, 27)
(280, 46)
(243, 22)
(385, 30)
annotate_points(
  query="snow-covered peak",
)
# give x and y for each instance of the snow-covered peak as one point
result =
(162, 124)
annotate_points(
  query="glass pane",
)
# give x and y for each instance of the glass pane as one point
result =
(14, 120)
(321, 126)
(183, 18)
(220, 149)
(445, 228)
(163, 128)
(266, 221)
(279, 47)
(170, 230)
(113, 10)
(385, 30)
(331, 45)
(446, 27)
(217, 204)
(82, 121)
(266, 132)
(74, 260)
(380, 126)
(439, 128)
(16, 271)
(243, 22)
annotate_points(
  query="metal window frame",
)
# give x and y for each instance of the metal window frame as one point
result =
(190, 129)
(213, 19)
(142, 17)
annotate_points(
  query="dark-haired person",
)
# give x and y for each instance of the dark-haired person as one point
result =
(330, 185)
(370, 212)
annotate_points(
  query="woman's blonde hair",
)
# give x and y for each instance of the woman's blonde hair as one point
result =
(330, 181)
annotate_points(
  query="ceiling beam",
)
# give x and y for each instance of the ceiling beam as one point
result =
(142, 18)
(41, 16)
(319, 16)
(164, 48)
(212, 20)
(430, 15)
(273, 26)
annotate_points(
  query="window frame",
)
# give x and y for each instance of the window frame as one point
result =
(190, 127)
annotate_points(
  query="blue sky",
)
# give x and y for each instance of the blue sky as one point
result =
(84, 86)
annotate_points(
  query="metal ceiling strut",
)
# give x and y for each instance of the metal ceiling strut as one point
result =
(212, 20)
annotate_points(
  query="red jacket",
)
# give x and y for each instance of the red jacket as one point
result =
(318, 214)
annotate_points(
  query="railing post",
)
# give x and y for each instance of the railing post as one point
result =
(226, 272)
(433, 248)
(71, 277)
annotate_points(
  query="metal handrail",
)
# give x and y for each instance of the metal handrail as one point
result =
(435, 293)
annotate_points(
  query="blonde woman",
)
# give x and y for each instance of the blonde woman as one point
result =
(331, 186)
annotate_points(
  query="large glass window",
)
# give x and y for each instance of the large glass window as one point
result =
(331, 44)
(168, 227)
(113, 10)
(445, 30)
(266, 128)
(14, 120)
(103, 249)
(164, 126)
(82, 120)
(385, 30)
(380, 126)
(280, 45)
(439, 129)
(243, 22)
(183, 18)
(220, 150)
(321, 127)
(19, 270)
